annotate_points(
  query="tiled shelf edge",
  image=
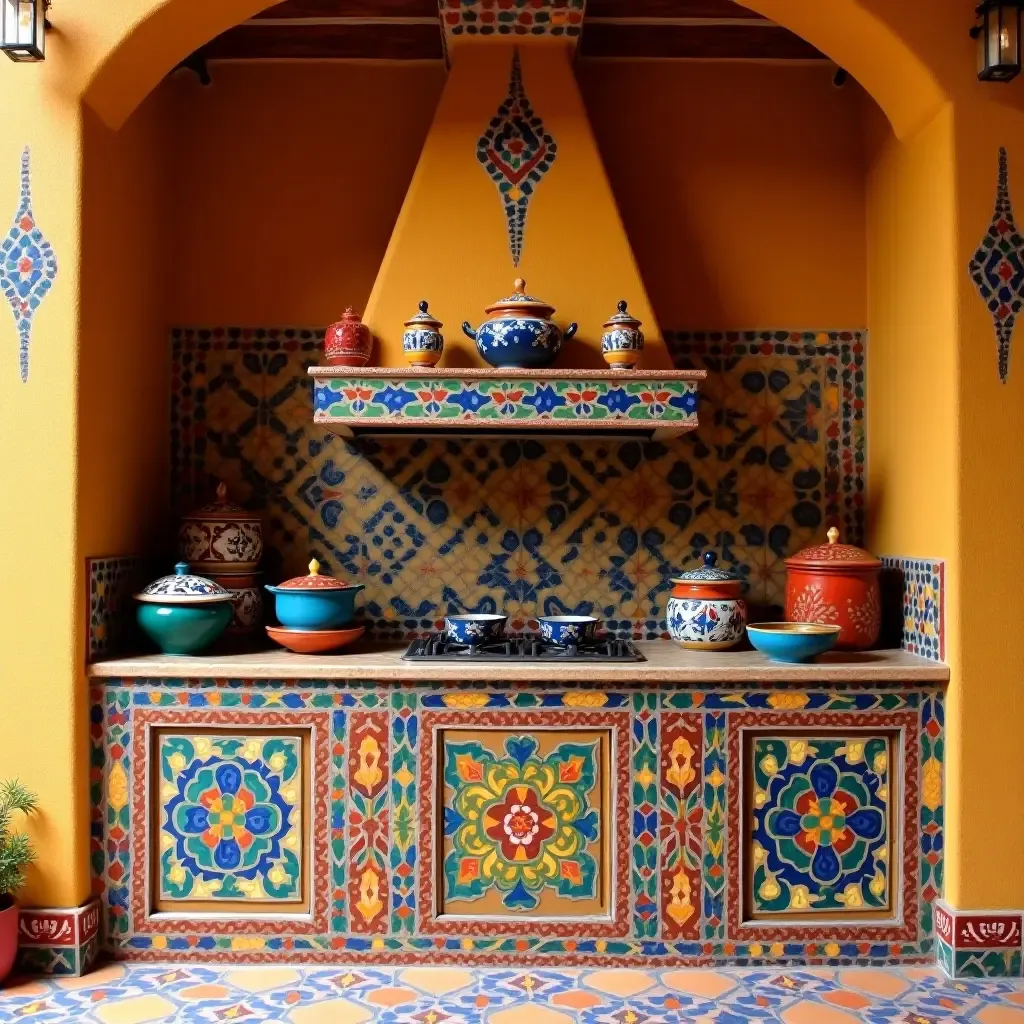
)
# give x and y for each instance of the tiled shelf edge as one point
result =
(659, 403)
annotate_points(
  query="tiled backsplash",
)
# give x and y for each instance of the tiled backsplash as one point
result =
(532, 527)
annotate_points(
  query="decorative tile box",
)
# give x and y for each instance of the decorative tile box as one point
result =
(256, 820)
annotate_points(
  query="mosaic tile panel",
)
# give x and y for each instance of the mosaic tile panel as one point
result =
(997, 269)
(516, 152)
(512, 17)
(538, 526)
(230, 818)
(671, 802)
(821, 824)
(978, 944)
(28, 266)
(110, 583)
(60, 941)
(918, 588)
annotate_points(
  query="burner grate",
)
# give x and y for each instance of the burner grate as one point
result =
(519, 648)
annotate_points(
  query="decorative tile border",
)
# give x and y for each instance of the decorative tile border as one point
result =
(28, 266)
(110, 583)
(512, 17)
(978, 944)
(62, 941)
(677, 774)
(914, 592)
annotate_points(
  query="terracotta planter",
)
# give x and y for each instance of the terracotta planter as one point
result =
(8, 935)
(836, 584)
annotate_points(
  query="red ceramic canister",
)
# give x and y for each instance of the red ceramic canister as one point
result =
(836, 584)
(348, 342)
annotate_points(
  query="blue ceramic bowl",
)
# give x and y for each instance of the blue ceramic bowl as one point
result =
(474, 629)
(793, 641)
(184, 628)
(568, 630)
(315, 609)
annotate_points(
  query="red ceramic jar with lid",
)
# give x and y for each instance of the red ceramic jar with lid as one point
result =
(836, 584)
(348, 342)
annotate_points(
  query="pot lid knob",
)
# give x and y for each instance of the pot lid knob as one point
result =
(833, 535)
(181, 568)
(520, 285)
(423, 306)
(710, 557)
(222, 492)
(314, 567)
(622, 306)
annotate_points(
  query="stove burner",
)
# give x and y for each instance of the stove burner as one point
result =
(519, 648)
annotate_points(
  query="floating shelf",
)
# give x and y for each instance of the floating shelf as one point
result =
(655, 404)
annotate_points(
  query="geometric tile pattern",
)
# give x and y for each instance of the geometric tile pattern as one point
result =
(997, 269)
(230, 817)
(918, 586)
(512, 17)
(978, 944)
(516, 152)
(62, 941)
(110, 583)
(673, 817)
(129, 993)
(28, 266)
(535, 526)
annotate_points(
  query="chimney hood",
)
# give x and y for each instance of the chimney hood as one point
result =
(509, 183)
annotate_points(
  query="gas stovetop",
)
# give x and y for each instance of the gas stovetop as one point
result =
(519, 648)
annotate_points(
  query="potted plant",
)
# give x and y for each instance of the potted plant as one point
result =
(16, 854)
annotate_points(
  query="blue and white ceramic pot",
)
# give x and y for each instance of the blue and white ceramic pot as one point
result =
(705, 611)
(182, 614)
(422, 342)
(520, 334)
(568, 630)
(622, 341)
(474, 629)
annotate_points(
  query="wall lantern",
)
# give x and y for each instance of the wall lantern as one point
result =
(24, 29)
(998, 36)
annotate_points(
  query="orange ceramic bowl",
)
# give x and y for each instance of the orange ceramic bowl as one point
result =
(314, 641)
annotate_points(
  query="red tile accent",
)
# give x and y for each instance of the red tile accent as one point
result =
(943, 924)
(46, 928)
(682, 759)
(987, 931)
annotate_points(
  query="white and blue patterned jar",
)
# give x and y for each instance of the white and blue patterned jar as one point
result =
(422, 342)
(521, 334)
(622, 341)
(705, 611)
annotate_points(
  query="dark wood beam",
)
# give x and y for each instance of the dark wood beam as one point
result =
(719, 9)
(742, 42)
(368, 42)
(352, 9)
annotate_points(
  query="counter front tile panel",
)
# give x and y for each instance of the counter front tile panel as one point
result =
(267, 820)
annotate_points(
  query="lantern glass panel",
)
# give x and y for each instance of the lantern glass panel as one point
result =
(22, 25)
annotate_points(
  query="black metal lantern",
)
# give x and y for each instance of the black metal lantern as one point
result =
(998, 36)
(23, 29)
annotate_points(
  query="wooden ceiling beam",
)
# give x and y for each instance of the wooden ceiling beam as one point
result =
(351, 9)
(708, 42)
(725, 10)
(327, 42)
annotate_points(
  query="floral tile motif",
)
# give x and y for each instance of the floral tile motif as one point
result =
(230, 817)
(516, 151)
(821, 824)
(512, 17)
(654, 776)
(28, 266)
(997, 268)
(110, 582)
(918, 589)
(536, 526)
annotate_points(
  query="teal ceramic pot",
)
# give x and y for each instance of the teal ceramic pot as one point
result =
(183, 614)
(793, 642)
(315, 602)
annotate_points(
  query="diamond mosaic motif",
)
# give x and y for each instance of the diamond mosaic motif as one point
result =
(230, 817)
(28, 266)
(820, 840)
(516, 152)
(520, 822)
(997, 268)
(512, 17)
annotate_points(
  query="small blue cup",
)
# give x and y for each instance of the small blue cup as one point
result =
(568, 630)
(474, 629)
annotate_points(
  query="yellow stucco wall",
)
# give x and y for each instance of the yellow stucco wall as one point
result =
(912, 57)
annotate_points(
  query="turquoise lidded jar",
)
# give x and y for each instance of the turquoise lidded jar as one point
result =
(183, 614)
(315, 602)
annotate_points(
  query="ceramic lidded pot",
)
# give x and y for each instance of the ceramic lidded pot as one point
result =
(520, 333)
(246, 595)
(183, 613)
(705, 611)
(836, 584)
(221, 536)
(348, 342)
(422, 342)
(315, 601)
(622, 341)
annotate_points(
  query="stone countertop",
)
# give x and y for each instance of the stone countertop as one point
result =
(666, 663)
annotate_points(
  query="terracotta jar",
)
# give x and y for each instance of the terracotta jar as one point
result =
(221, 537)
(705, 611)
(836, 584)
(348, 342)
